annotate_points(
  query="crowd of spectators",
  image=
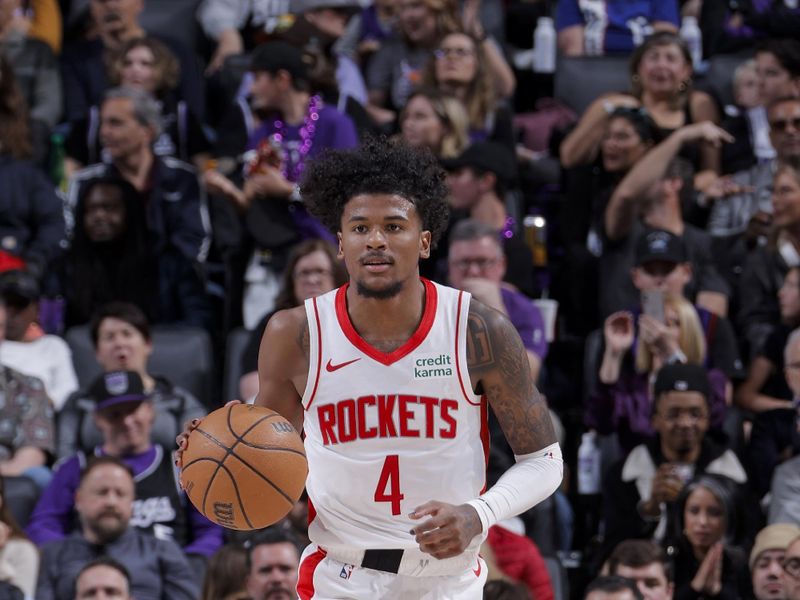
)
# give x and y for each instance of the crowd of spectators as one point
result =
(150, 182)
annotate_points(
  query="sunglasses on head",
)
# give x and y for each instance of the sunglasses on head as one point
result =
(782, 125)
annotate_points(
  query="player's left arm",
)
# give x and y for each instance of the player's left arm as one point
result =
(499, 368)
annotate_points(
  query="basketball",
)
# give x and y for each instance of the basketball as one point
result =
(244, 467)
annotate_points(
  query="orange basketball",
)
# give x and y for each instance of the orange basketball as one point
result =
(244, 467)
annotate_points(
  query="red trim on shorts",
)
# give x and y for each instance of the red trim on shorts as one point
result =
(428, 314)
(319, 354)
(305, 577)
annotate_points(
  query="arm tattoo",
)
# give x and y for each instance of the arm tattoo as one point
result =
(479, 351)
(303, 339)
(501, 367)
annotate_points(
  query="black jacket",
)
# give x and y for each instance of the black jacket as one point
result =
(31, 214)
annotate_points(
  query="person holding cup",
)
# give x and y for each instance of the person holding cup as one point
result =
(640, 490)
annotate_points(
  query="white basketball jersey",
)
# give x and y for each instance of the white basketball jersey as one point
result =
(388, 432)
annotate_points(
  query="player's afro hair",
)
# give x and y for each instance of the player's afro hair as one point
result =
(378, 166)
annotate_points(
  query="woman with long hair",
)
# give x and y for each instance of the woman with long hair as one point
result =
(438, 122)
(397, 67)
(19, 558)
(459, 68)
(623, 397)
(706, 544)
(661, 83)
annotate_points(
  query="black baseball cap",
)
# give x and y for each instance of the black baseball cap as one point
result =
(117, 387)
(679, 377)
(486, 156)
(658, 244)
(279, 56)
(19, 288)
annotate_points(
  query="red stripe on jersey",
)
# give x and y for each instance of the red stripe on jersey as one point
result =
(305, 578)
(312, 512)
(319, 354)
(458, 361)
(425, 324)
(485, 436)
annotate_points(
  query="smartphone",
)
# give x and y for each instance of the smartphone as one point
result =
(653, 304)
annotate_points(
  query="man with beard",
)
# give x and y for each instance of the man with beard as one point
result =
(390, 377)
(766, 560)
(272, 560)
(639, 490)
(104, 502)
(125, 414)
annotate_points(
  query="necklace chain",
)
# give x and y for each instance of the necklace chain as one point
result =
(307, 131)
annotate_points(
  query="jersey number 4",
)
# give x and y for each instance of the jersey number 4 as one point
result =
(388, 489)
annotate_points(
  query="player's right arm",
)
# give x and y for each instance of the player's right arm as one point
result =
(283, 364)
(282, 371)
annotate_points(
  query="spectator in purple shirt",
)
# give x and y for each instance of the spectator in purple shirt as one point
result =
(476, 264)
(124, 414)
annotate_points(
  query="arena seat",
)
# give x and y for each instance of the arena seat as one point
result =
(558, 577)
(237, 340)
(580, 79)
(181, 354)
(21, 495)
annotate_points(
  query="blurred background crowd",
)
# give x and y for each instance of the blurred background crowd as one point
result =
(624, 183)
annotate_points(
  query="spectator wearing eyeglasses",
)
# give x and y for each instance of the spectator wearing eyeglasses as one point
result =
(459, 67)
(477, 264)
(791, 571)
(312, 269)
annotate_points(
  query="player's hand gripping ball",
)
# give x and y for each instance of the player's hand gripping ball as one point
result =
(244, 467)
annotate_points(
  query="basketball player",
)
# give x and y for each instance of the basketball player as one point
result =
(389, 377)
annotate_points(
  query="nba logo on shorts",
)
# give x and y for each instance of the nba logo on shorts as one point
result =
(346, 571)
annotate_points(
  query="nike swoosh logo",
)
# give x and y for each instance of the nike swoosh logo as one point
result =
(330, 367)
(478, 570)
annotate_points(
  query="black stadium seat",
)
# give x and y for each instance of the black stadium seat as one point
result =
(581, 79)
